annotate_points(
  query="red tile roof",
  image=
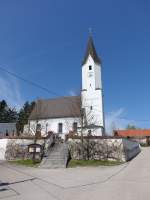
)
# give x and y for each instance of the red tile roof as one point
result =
(132, 133)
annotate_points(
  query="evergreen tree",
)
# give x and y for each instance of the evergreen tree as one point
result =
(3, 111)
(12, 115)
(23, 115)
(7, 114)
(131, 127)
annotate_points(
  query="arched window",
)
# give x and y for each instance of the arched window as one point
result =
(7, 134)
(75, 126)
(60, 128)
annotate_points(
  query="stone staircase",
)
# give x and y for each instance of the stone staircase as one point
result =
(56, 157)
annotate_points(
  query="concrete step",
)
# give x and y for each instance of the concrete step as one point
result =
(53, 166)
(56, 157)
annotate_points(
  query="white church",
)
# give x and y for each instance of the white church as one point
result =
(75, 113)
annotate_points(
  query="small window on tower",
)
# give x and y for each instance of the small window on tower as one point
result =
(90, 67)
(91, 107)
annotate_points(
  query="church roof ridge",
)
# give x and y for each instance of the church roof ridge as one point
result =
(58, 98)
(90, 50)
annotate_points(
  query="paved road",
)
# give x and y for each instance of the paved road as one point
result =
(130, 181)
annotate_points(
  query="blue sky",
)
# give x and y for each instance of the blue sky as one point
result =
(45, 40)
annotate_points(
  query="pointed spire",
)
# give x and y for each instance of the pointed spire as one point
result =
(91, 51)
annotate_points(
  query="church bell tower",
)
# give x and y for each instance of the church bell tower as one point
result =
(92, 91)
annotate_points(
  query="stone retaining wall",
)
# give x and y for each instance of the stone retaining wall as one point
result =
(103, 149)
(119, 149)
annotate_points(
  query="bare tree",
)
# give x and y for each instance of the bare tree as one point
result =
(87, 123)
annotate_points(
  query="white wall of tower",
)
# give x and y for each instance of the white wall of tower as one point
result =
(92, 94)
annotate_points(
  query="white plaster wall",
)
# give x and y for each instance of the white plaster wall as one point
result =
(92, 77)
(52, 125)
(3, 144)
(98, 76)
(93, 99)
(86, 74)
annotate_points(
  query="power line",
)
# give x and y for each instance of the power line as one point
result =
(35, 85)
(54, 93)
(29, 82)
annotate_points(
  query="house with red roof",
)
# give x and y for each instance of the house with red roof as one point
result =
(140, 135)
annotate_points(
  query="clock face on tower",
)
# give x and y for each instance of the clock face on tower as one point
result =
(90, 74)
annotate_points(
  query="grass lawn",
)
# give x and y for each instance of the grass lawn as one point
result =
(92, 163)
(28, 162)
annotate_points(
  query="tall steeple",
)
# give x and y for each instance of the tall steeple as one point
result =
(90, 50)
(92, 92)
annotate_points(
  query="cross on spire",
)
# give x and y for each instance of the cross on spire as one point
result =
(90, 31)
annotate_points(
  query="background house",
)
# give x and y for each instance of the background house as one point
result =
(7, 129)
(140, 135)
